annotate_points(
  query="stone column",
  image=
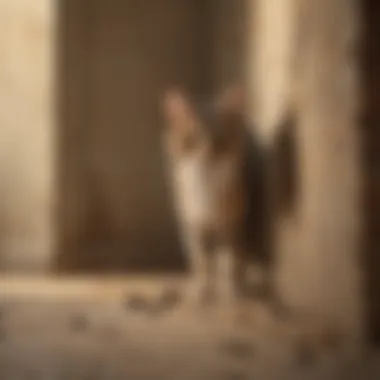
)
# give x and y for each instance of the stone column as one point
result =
(319, 267)
(328, 278)
(26, 143)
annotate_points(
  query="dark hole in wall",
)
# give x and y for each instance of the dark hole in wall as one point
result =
(370, 135)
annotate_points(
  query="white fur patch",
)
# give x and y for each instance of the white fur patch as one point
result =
(194, 198)
(196, 191)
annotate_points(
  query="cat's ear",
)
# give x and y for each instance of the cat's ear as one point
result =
(233, 100)
(177, 108)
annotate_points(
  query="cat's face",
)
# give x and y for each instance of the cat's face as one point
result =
(209, 133)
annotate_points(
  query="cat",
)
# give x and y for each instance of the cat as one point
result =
(218, 171)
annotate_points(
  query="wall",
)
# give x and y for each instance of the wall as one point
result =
(314, 65)
(26, 36)
(270, 57)
(330, 208)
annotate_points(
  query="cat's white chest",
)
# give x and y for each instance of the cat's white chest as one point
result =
(193, 193)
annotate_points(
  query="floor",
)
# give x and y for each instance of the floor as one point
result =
(136, 328)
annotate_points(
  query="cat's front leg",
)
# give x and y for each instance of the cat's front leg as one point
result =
(202, 257)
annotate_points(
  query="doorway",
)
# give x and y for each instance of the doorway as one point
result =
(115, 60)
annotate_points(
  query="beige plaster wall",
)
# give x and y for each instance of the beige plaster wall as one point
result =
(26, 159)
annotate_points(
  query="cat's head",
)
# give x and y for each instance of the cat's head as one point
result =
(211, 131)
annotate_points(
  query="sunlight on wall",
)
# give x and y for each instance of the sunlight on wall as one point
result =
(26, 36)
(270, 52)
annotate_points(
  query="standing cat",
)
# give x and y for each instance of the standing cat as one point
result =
(218, 172)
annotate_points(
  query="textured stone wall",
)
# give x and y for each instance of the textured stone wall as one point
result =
(26, 132)
(330, 211)
(314, 65)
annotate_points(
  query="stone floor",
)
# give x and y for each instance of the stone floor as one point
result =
(147, 329)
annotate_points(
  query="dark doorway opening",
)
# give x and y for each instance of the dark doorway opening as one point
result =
(114, 210)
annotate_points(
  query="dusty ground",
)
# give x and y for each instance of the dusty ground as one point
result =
(146, 329)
